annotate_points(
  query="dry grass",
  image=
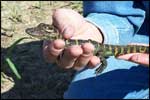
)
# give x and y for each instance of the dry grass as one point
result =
(39, 79)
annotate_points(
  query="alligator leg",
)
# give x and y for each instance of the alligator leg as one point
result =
(102, 66)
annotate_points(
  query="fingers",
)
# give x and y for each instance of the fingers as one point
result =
(76, 57)
(140, 58)
(93, 61)
(126, 56)
(52, 50)
(70, 55)
(83, 60)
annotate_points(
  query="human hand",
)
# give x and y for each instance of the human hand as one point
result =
(72, 25)
(140, 58)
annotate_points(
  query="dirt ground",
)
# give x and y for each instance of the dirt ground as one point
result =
(40, 80)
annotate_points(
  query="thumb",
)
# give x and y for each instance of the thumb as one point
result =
(67, 21)
(63, 23)
(68, 31)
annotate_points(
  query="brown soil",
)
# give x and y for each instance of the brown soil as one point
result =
(40, 80)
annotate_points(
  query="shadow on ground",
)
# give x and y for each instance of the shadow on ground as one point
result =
(40, 80)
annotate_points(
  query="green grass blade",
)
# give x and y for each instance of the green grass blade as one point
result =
(13, 67)
(14, 45)
(8, 55)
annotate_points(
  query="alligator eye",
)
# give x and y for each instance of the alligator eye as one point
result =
(29, 30)
(48, 29)
(45, 28)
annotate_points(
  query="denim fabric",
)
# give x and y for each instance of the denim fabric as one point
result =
(121, 22)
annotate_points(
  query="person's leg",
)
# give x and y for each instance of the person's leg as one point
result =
(119, 79)
(142, 94)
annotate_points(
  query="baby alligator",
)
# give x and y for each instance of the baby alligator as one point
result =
(48, 32)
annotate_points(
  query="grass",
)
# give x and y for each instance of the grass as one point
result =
(23, 58)
(8, 57)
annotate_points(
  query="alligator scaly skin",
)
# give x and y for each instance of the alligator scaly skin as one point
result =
(48, 32)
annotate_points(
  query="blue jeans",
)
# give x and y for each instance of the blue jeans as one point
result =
(122, 22)
(121, 79)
